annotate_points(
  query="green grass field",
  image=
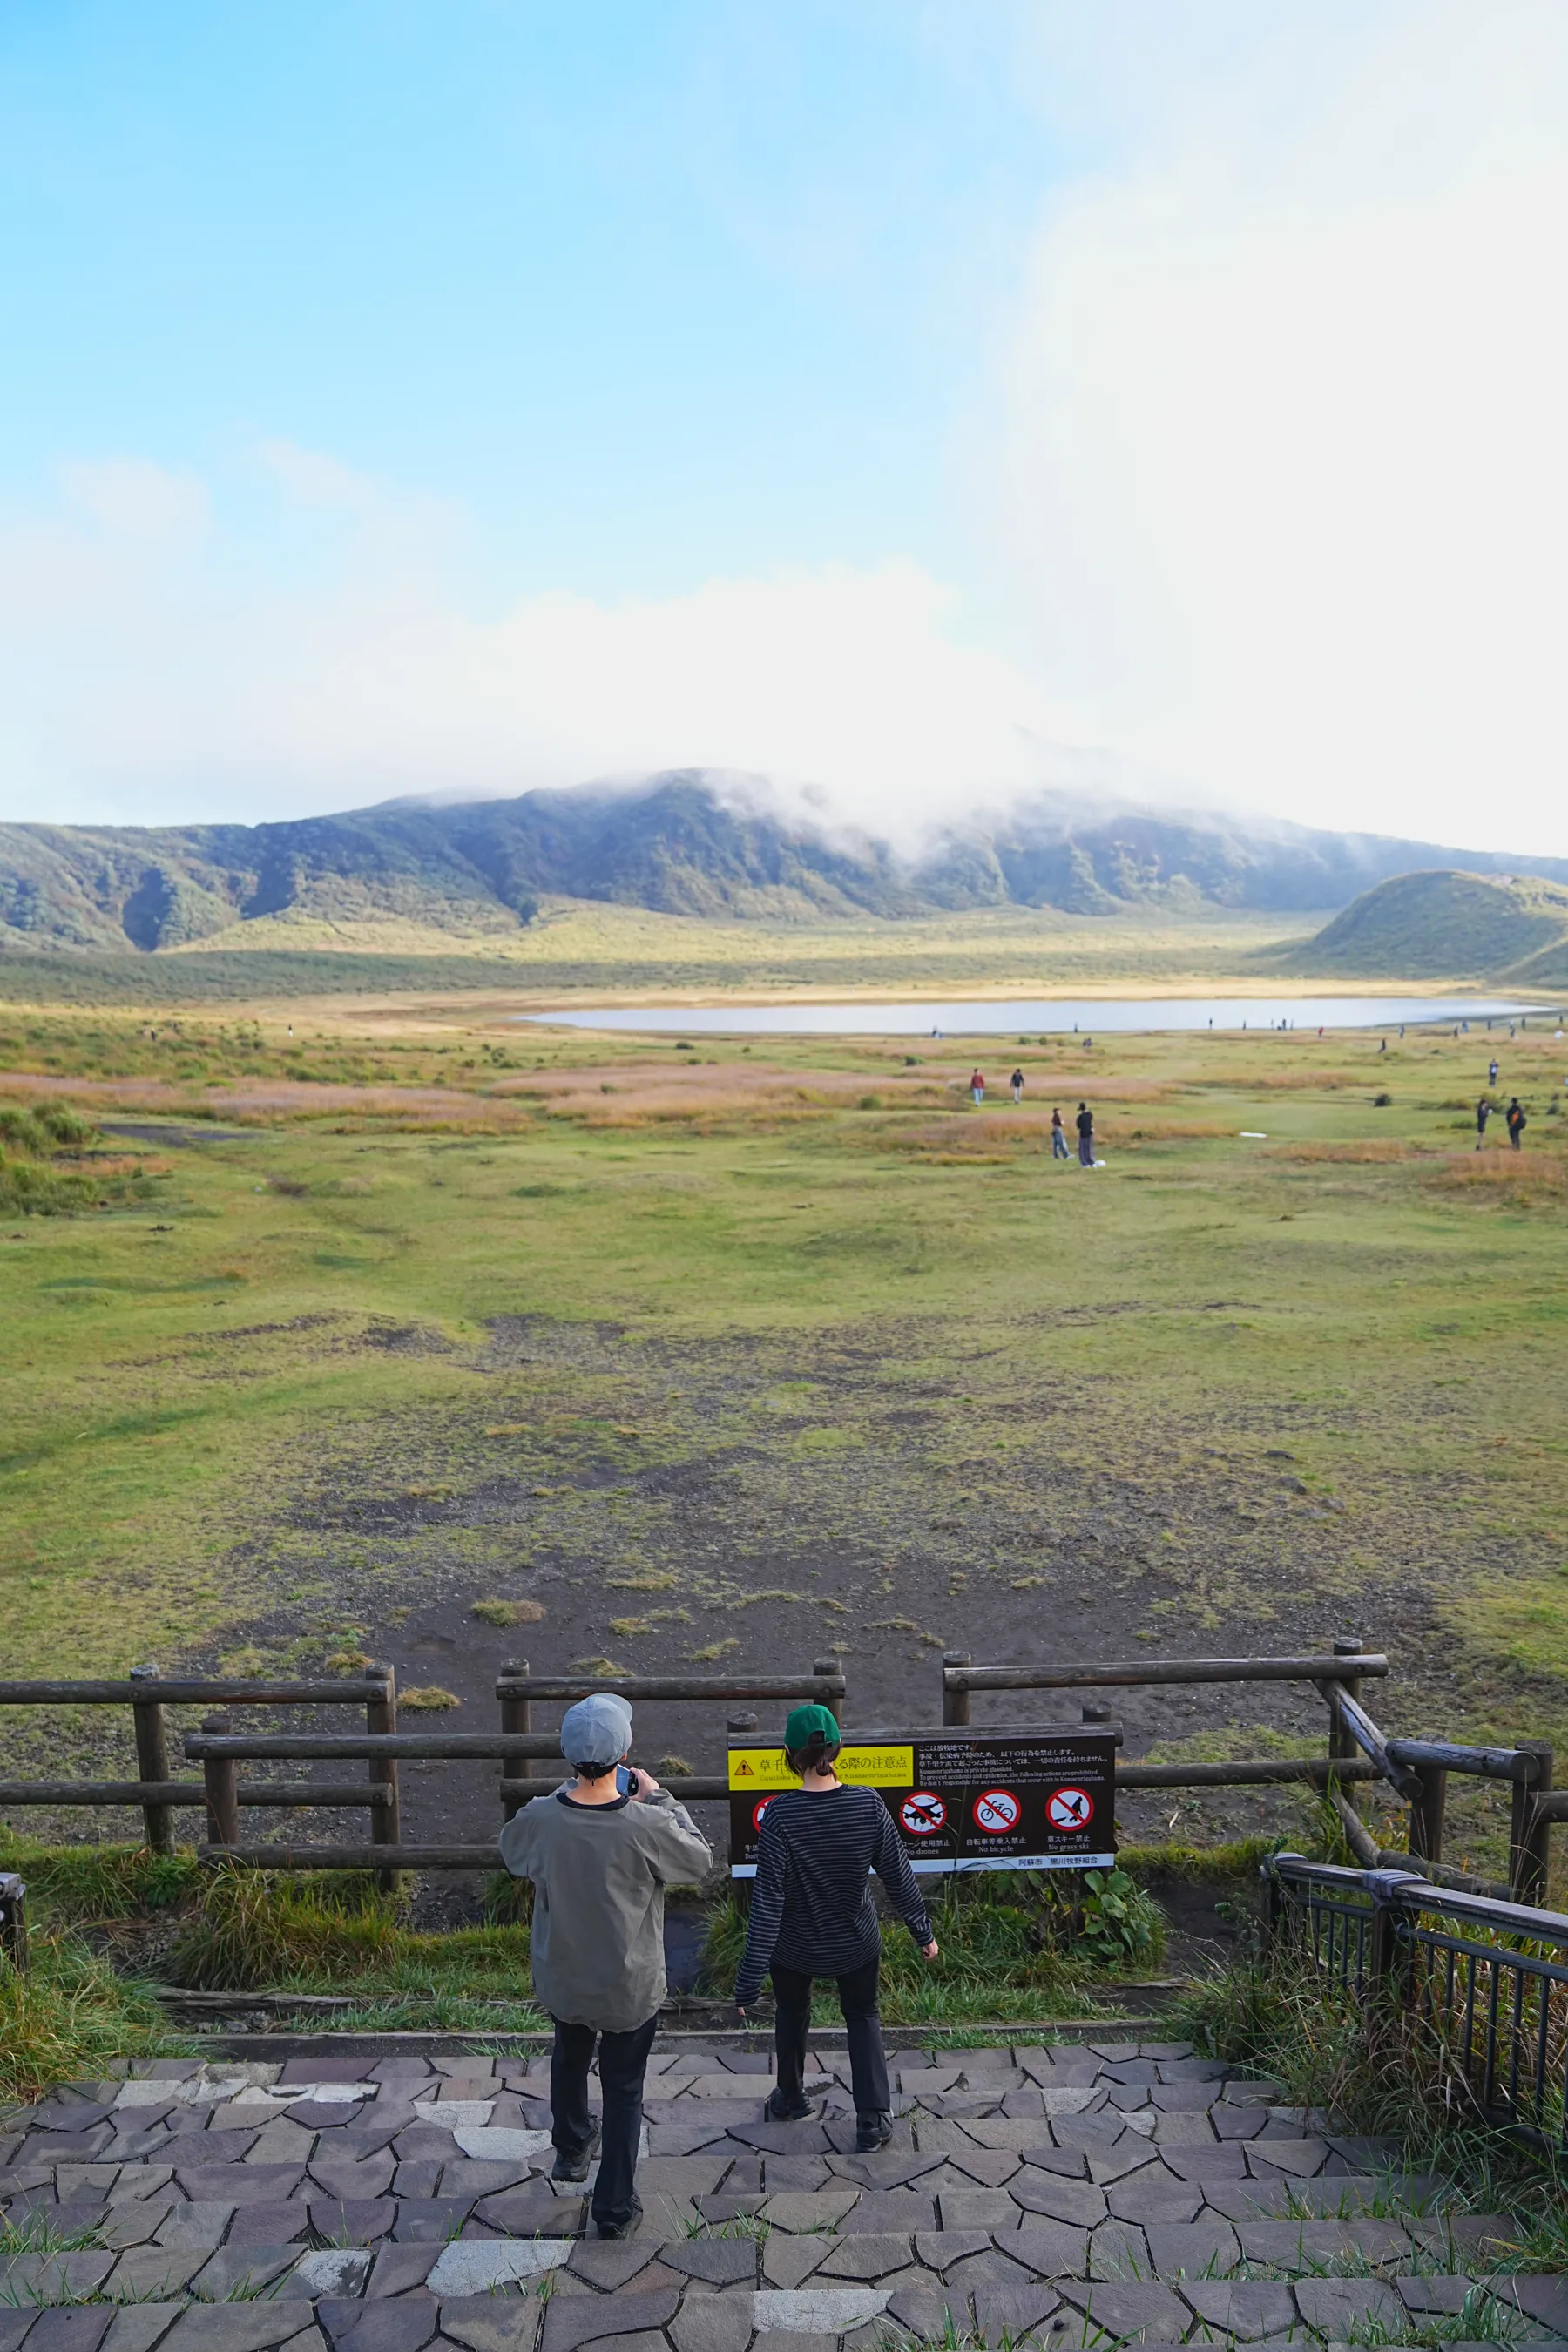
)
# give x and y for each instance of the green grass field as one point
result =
(759, 1354)
(575, 945)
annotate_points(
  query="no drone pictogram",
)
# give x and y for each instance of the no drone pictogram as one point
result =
(922, 1813)
(1070, 1809)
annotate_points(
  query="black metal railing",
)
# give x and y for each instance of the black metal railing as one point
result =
(1479, 1986)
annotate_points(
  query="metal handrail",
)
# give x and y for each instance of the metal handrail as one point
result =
(1411, 1891)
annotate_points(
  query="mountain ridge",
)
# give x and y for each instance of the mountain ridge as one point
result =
(679, 843)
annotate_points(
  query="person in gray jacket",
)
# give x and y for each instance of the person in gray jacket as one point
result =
(601, 1850)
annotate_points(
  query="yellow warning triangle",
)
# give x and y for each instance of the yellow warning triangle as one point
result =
(744, 1773)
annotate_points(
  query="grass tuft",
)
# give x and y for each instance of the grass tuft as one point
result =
(68, 2015)
(256, 1929)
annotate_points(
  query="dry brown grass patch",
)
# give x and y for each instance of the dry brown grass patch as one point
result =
(1372, 1151)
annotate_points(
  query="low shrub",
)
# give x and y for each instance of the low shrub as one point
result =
(68, 2015)
(256, 1928)
(81, 1885)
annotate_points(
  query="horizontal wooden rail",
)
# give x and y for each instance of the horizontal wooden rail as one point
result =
(434, 1747)
(664, 1687)
(1320, 1770)
(1483, 1763)
(189, 1694)
(187, 1794)
(354, 1857)
(1150, 1672)
(685, 1788)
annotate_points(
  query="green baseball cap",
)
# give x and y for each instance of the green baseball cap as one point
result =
(804, 1720)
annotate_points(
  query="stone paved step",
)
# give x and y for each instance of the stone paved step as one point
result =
(671, 2302)
(1061, 2195)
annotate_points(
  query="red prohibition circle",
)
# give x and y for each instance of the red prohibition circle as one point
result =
(758, 1810)
(996, 1811)
(1070, 1809)
(922, 1813)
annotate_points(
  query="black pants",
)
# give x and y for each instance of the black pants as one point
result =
(623, 2063)
(791, 2022)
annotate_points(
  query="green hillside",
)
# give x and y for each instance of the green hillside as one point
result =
(418, 877)
(1449, 926)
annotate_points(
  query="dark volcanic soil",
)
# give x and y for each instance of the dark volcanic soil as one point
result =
(650, 1505)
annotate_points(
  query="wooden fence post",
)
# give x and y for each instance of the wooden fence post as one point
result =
(835, 1705)
(516, 1715)
(954, 1703)
(13, 1920)
(152, 1762)
(1341, 1746)
(1529, 1839)
(1427, 1815)
(385, 1819)
(221, 1777)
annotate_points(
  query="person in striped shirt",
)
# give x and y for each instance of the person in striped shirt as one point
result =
(812, 1917)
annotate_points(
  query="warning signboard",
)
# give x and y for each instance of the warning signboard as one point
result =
(960, 1799)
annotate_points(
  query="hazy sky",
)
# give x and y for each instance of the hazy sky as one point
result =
(468, 394)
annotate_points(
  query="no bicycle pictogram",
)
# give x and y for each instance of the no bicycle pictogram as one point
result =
(758, 1810)
(995, 1811)
(922, 1814)
(1070, 1809)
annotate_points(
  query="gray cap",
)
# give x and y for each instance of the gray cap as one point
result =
(597, 1730)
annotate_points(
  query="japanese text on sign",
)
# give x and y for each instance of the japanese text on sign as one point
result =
(960, 1799)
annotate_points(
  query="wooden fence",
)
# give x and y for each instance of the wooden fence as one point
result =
(1356, 1752)
(1417, 1769)
(381, 1746)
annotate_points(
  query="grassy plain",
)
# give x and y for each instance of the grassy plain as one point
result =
(764, 1353)
(575, 945)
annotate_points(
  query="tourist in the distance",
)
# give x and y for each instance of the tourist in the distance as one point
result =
(1483, 1112)
(1017, 1083)
(1058, 1136)
(601, 1850)
(1085, 1125)
(812, 1917)
(976, 1087)
(1517, 1123)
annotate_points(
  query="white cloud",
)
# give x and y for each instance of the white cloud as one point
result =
(1281, 464)
(1271, 495)
(131, 497)
(211, 697)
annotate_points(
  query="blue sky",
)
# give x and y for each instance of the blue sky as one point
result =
(632, 284)
(461, 395)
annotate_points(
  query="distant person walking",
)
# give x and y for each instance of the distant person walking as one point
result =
(1017, 1083)
(1483, 1112)
(1382, 1046)
(812, 1917)
(1492, 1074)
(1517, 1123)
(1085, 1125)
(976, 1087)
(1058, 1137)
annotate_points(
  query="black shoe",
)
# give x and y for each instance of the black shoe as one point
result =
(872, 2132)
(623, 2228)
(781, 2111)
(576, 2167)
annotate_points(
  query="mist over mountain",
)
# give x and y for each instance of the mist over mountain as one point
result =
(685, 843)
